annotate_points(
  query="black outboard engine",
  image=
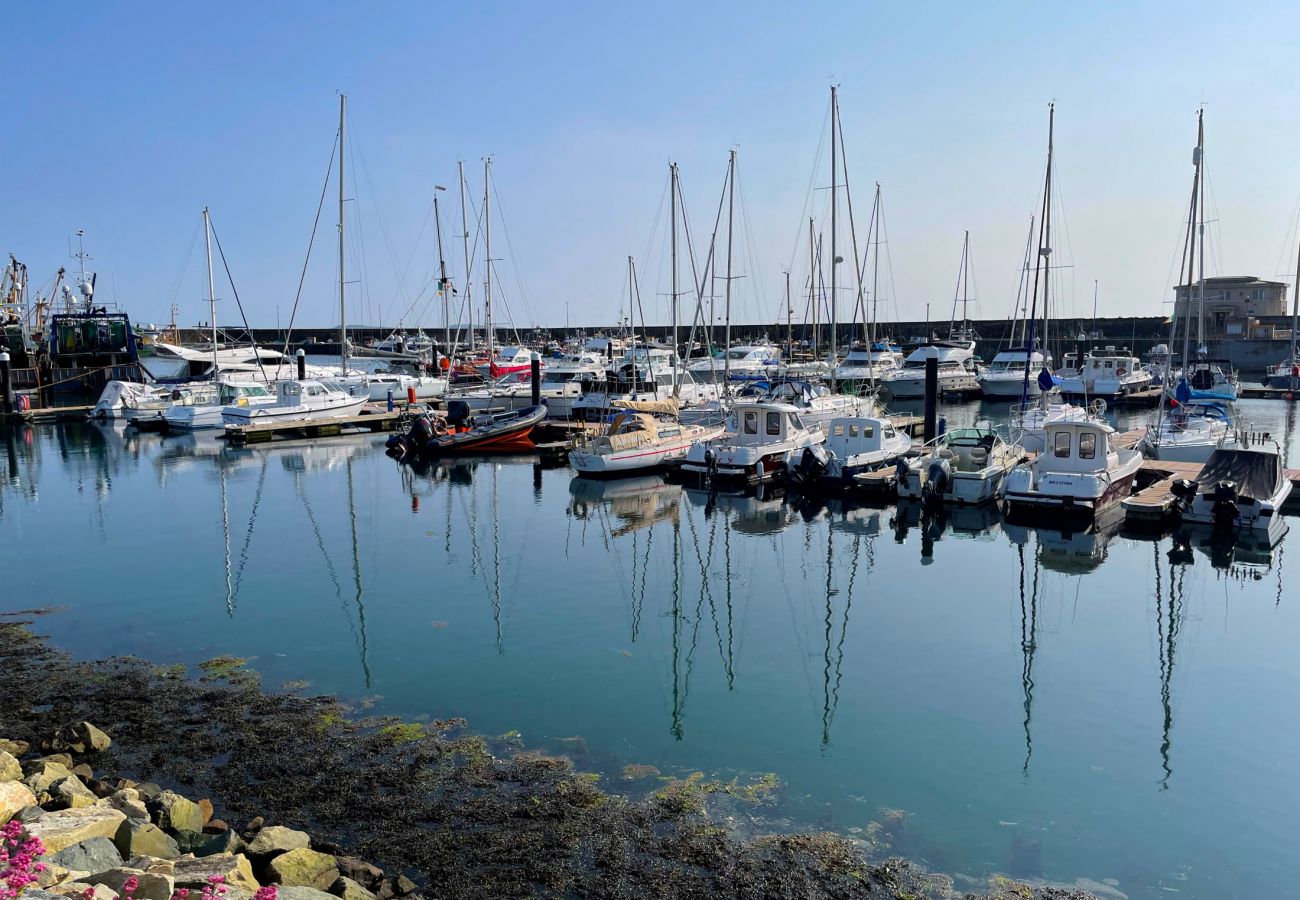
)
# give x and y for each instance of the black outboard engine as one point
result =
(812, 464)
(457, 412)
(1223, 505)
(901, 471)
(937, 477)
(1184, 491)
(420, 433)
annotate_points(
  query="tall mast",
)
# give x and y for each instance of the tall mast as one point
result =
(876, 213)
(442, 270)
(464, 229)
(965, 282)
(212, 290)
(731, 208)
(672, 190)
(835, 116)
(1041, 264)
(487, 245)
(1191, 254)
(812, 283)
(789, 317)
(1295, 313)
(343, 313)
(1200, 287)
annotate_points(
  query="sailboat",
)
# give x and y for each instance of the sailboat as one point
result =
(1031, 421)
(1191, 428)
(1003, 378)
(1286, 374)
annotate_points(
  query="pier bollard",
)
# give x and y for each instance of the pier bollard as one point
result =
(931, 397)
(943, 426)
(390, 399)
(536, 363)
(6, 386)
(302, 364)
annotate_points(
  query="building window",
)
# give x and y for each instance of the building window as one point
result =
(1087, 445)
(1062, 444)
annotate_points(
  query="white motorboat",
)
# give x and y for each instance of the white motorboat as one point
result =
(965, 466)
(294, 400)
(120, 397)
(1029, 423)
(748, 361)
(816, 404)
(648, 375)
(760, 439)
(1236, 490)
(644, 437)
(1107, 374)
(561, 384)
(1004, 378)
(854, 445)
(956, 370)
(194, 416)
(1080, 472)
(867, 364)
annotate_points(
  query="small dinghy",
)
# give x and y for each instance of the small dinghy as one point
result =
(459, 433)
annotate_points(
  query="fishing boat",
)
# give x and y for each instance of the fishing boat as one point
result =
(956, 370)
(760, 439)
(198, 415)
(643, 437)
(1030, 421)
(965, 466)
(854, 445)
(1107, 374)
(459, 432)
(295, 400)
(1242, 489)
(1080, 472)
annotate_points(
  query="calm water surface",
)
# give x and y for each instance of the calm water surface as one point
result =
(1096, 705)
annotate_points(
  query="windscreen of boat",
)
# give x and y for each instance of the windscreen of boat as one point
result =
(1257, 475)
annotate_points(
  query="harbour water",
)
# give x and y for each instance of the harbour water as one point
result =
(1101, 706)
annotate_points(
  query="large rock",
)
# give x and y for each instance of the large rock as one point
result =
(126, 801)
(43, 773)
(233, 867)
(78, 890)
(152, 885)
(273, 840)
(79, 737)
(304, 868)
(38, 894)
(363, 873)
(14, 747)
(10, 768)
(143, 838)
(14, 796)
(54, 874)
(70, 793)
(65, 827)
(225, 842)
(98, 854)
(348, 889)
(176, 813)
(296, 892)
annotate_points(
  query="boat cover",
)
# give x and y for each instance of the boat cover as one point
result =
(667, 406)
(1257, 474)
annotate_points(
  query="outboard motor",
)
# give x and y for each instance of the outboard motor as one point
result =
(938, 475)
(1223, 505)
(420, 433)
(901, 472)
(812, 464)
(1184, 491)
(457, 413)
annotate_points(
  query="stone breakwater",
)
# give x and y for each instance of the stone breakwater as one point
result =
(325, 802)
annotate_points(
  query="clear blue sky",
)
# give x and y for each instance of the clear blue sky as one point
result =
(125, 120)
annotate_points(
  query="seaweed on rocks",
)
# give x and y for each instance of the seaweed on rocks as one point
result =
(461, 814)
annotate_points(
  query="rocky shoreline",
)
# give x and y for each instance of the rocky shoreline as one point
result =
(325, 802)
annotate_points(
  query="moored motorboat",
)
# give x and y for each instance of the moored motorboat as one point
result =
(854, 445)
(761, 438)
(1236, 490)
(296, 400)
(965, 467)
(643, 437)
(1081, 471)
(460, 433)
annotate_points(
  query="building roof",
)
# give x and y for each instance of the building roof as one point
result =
(1234, 281)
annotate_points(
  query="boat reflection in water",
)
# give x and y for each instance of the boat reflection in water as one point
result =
(961, 522)
(1074, 552)
(636, 503)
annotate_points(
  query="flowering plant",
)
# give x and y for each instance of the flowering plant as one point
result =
(18, 865)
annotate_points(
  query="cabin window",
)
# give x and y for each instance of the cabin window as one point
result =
(1063, 443)
(853, 431)
(751, 422)
(868, 431)
(1109, 364)
(774, 423)
(838, 431)
(1087, 446)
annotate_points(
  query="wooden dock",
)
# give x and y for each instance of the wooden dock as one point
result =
(1259, 392)
(1152, 505)
(46, 414)
(371, 418)
(1144, 399)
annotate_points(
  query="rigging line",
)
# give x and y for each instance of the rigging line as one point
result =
(514, 257)
(809, 191)
(844, 625)
(705, 276)
(383, 226)
(225, 265)
(302, 276)
(185, 266)
(427, 279)
(356, 577)
(747, 234)
(706, 591)
(654, 228)
(248, 538)
(826, 670)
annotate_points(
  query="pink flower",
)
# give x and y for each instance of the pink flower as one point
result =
(266, 893)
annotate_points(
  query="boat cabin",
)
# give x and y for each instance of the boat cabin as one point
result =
(241, 394)
(1014, 361)
(1078, 447)
(950, 358)
(754, 424)
(1109, 364)
(854, 435)
(304, 393)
